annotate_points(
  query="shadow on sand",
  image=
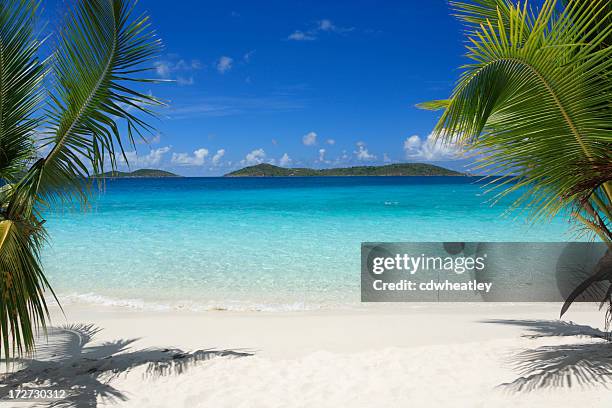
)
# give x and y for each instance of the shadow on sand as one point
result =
(67, 362)
(586, 364)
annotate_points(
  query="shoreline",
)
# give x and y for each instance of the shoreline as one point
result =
(351, 303)
(397, 324)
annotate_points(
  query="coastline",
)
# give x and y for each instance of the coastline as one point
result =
(378, 355)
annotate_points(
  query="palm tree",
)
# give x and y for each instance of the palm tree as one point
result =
(68, 106)
(535, 101)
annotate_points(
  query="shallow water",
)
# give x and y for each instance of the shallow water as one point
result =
(260, 243)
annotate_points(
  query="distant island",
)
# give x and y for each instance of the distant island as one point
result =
(404, 169)
(142, 173)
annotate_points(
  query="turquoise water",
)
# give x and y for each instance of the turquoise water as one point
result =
(259, 244)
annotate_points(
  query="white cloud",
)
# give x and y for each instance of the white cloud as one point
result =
(362, 153)
(386, 158)
(166, 68)
(326, 25)
(162, 69)
(182, 81)
(247, 57)
(412, 143)
(330, 142)
(309, 139)
(224, 64)
(322, 26)
(184, 159)
(257, 156)
(153, 158)
(430, 149)
(218, 156)
(232, 106)
(285, 160)
(298, 35)
(321, 155)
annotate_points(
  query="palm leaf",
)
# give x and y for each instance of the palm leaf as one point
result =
(22, 285)
(101, 51)
(21, 75)
(101, 54)
(22, 304)
(535, 100)
(440, 104)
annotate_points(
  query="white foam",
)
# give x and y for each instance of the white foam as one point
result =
(187, 305)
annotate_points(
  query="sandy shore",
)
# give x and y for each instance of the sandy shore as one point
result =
(456, 355)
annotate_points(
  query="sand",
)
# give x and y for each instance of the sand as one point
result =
(407, 355)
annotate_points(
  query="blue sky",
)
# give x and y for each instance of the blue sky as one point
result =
(298, 83)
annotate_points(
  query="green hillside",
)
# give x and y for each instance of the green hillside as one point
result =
(142, 173)
(403, 169)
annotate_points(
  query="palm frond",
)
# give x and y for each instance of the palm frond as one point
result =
(22, 284)
(102, 50)
(101, 55)
(535, 100)
(478, 12)
(21, 75)
(439, 104)
(608, 21)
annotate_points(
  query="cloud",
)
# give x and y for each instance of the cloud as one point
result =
(218, 156)
(330, 142)
(155, 139)
(321, 155)
(362, 153)
(412, 143)
(298, 35)
(224, 64)
(309, 139)
(182, 81)
(430, 149)
(247, 57)
(231, 106)
(184, 159)
(257, 156)
(167, 68)
(162, 69)
(344, 156)
(321, 26)
(327, 25)
(153, 158)
(285, 160)
(386, 158)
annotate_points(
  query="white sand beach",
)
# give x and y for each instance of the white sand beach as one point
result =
(417, 355)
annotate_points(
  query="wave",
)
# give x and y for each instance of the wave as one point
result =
(188, 305)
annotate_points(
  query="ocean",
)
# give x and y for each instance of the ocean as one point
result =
(260, 243)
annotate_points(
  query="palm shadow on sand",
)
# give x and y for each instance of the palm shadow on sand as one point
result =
(67, 361)
(587, 364)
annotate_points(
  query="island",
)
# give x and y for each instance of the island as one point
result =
(400, 169)
(142, 173)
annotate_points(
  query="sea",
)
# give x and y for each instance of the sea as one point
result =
(261, 244)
